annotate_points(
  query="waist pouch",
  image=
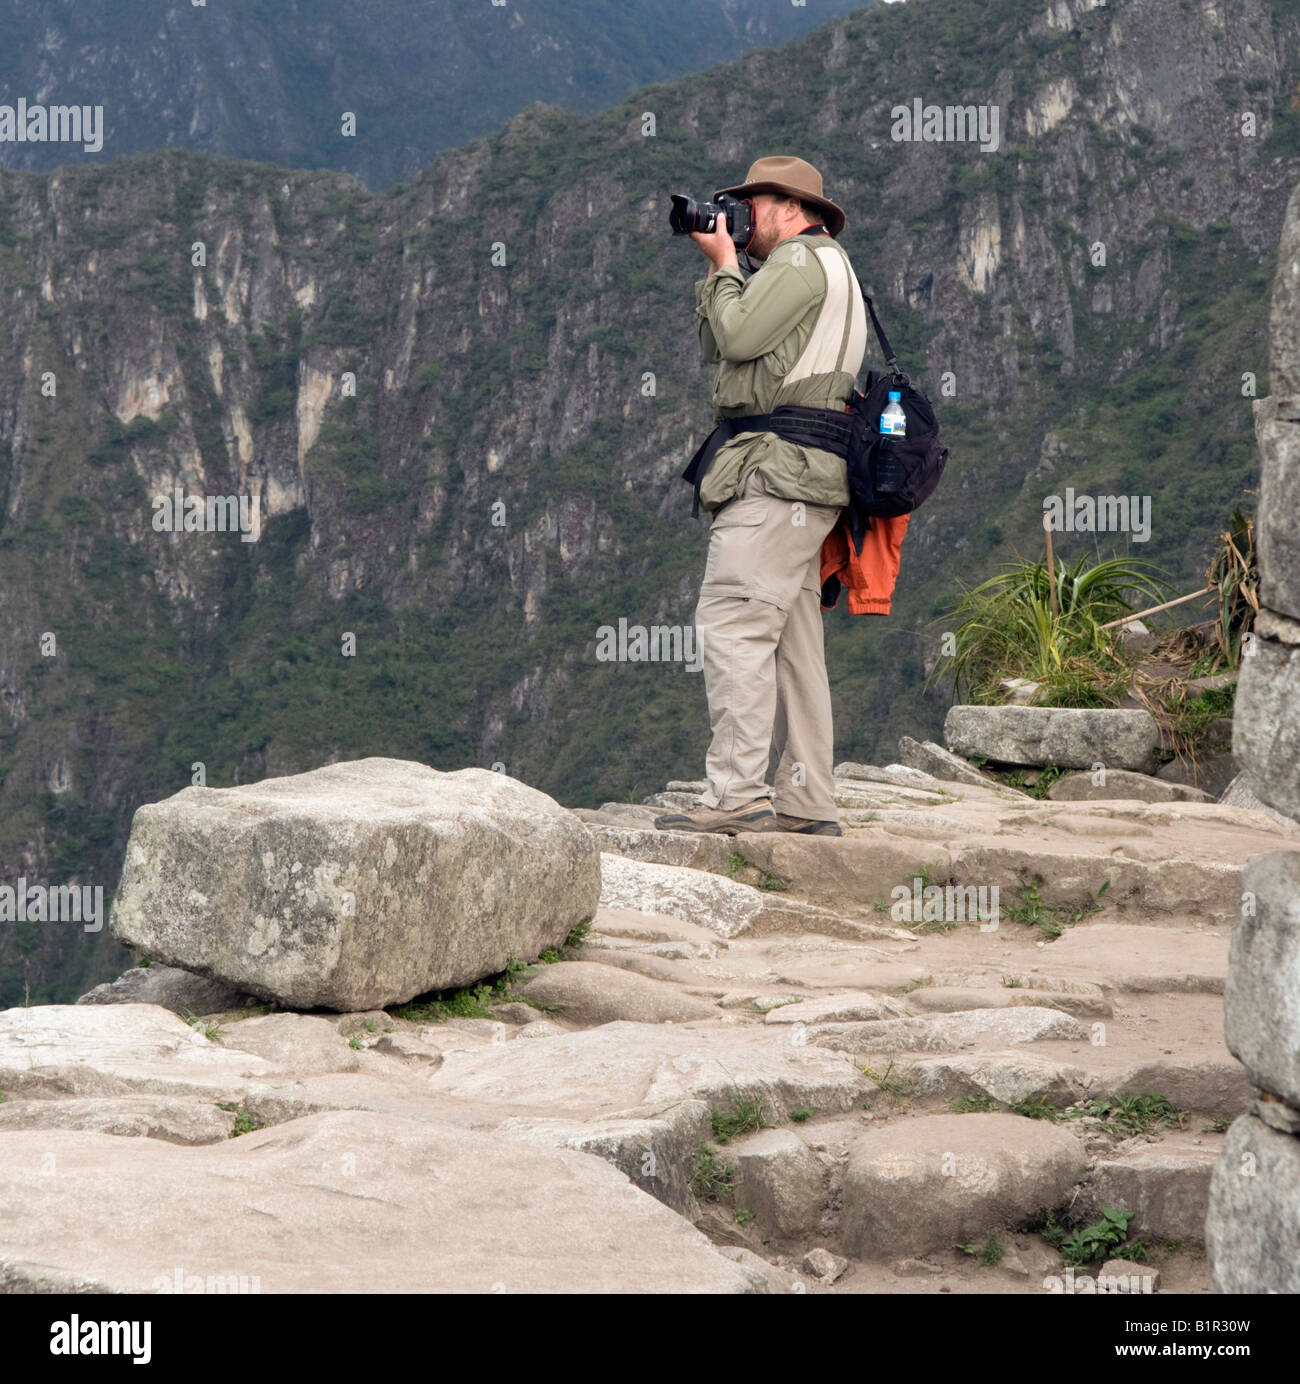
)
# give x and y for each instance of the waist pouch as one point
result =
(829, 429)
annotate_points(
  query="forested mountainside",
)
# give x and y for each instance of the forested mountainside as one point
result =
(441, 546)
(273, 79)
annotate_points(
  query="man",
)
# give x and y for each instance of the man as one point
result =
(795, 333)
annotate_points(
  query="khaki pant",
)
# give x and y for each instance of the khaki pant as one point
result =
(759, 628)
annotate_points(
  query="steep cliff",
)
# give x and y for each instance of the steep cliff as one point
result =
(504, 480)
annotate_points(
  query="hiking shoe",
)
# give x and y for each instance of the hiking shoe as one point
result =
(803, 826)
(753, 816)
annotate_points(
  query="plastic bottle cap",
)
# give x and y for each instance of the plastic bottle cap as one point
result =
(894, 394)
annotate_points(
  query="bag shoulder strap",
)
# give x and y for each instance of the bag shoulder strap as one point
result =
(886, 350)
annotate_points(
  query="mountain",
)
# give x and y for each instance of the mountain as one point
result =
(272, 79)
(442, 546)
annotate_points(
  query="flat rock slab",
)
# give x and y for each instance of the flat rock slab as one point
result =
(342, 1202)
(1121, 783)
(1143, 959)
(293, 1042)
(972, 1174)
(1008, 1077)
(1069, 737)
(949, 1032)
(693, 850)
(952, 999)
(117, 1049)
(588, 993)
(724, 906)
(851, 1008)
(621, 1067)
(357, 885)
(170, 1118)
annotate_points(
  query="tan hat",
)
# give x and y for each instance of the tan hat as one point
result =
(790, 177)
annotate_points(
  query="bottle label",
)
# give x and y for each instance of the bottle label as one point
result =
(893, 427)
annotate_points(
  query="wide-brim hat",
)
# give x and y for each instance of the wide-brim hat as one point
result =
(789, 177)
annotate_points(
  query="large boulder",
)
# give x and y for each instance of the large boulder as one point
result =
(357, 885)
(1069, 737)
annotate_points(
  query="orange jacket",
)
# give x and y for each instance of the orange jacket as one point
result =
(869, 575)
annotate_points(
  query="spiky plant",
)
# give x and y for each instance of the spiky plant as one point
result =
(1006, 628)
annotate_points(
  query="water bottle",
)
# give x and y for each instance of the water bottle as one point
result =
(893, 422)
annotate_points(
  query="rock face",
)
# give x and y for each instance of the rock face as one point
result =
(1069, 737)
(356, 885)
(1261, 999)
(177, 990)
(1253, 1228)
(1252, 1232)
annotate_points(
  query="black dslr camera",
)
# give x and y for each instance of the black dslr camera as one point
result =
(688, 215)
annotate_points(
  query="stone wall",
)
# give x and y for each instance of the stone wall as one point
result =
(1253, 1227)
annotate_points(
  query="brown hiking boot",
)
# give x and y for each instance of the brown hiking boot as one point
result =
(803, 826)
(752, 816)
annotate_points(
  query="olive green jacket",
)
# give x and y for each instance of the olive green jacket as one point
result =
(795, 333)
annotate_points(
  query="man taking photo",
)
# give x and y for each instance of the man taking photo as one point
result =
(794, 333)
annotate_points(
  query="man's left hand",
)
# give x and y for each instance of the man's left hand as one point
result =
(717, 244)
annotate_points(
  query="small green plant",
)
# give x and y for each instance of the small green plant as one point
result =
(749, 1115)
(1013, 982)
(355, 1042)
(1100, 1241)
(1035, 1108)
(744, 1217)
(799, 1116)
(712, 1179)
(550, 956)
(371, 1026)
(882, 906)
(1050, 919)
(212, 1032)
(244, 1122)
(972, 1105)
(990, 1254)
(891, 1082)
(1217, 1125)
(578, 934)
(773, 883)
(1126, 1113)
